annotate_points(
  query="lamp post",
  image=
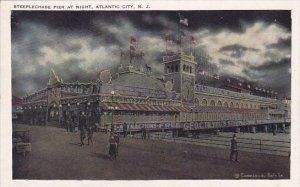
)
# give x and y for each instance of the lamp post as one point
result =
(112, 127)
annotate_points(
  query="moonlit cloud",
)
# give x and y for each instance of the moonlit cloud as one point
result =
(243, 49)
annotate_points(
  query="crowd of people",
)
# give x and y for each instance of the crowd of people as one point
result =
(86, 126)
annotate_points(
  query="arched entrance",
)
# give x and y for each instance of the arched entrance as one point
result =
(53, 112)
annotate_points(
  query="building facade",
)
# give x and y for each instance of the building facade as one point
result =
(141, 100)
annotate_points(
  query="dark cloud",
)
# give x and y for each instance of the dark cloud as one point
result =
(281, 44)
(226, 62)
(276, 76)
(236, 50)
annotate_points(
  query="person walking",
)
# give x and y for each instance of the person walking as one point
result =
(125, 129)
(234, 149)
(82, 127)
(117, 139)
(112, 147)
(90, 129)
(144, 133)
(90, 132)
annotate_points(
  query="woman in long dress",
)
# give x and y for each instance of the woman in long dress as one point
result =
(112, 147)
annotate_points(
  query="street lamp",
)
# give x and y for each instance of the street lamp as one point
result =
(112, 128)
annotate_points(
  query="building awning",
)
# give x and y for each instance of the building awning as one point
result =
(169, 108)
(143, 107)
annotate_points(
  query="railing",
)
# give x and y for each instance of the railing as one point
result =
(195, 125)
(273, 147)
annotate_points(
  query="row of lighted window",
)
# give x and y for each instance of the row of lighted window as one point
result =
(140, 118)
(231, 105)
(175, 68)
(228, 116)
(184, 117)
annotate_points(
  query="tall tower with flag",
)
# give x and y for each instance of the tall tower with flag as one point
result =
(180, 64)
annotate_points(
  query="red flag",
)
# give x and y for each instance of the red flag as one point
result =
(216, 76)
(182, 20)
(122, 53)
(132, 50)
(133, 42)
(169, 39)
(201, 72)
(193, 40)
(142, 54)
(182, 35)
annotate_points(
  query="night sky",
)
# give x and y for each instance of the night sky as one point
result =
(253, 45)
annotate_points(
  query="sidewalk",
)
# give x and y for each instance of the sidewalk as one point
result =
(57, 154)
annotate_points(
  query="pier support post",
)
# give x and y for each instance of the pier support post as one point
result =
(175, 133)
(253, 129)
(237, 130)
(283, 126)
(274, 129)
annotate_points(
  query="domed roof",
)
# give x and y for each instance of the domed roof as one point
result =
(140, 80)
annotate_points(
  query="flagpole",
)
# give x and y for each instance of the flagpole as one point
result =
(166, 46)
(179, 35)
(190, 45)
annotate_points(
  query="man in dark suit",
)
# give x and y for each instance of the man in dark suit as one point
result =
(234, 149)
(82, 127)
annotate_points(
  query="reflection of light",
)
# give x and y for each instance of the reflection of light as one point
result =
(77, 103)
(68, 104)
(112, 92)
(89, 103)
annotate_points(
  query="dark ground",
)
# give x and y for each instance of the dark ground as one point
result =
(57, 154)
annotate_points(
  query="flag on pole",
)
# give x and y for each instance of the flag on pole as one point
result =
(182, 20)
(216, 76)
(169, 39)
(133, 42)
(201, 72)
(193, 40)
(132, 50)
(122, 53)
(182, 35)
(148, 68)
(132, 54)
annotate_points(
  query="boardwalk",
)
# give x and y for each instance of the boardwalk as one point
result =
(56, 154)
